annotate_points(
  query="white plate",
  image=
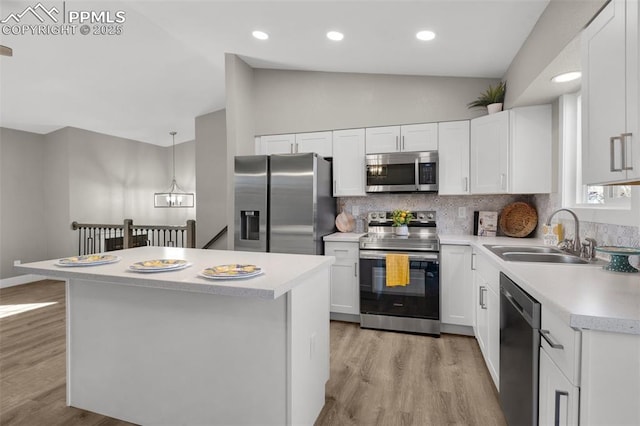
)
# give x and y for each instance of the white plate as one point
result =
(88, 260)
(159, 265)
(231, 272)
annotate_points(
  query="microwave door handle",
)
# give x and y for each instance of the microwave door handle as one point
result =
(417, 174)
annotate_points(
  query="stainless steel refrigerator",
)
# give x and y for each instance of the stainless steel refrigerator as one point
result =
(283, 203)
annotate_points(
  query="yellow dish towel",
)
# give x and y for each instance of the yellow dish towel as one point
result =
(397, 269)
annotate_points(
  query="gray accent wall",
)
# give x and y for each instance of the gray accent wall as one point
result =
(22, 203)
(558, 25)
(211, 178)
(77, 175)
(240, 116)
(308, 101)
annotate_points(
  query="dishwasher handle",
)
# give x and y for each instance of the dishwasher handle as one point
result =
(518, 307)
(546, 335)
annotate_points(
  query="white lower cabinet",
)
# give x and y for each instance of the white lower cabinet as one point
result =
(558, 398)
(456, 285)
(487, 311)
(345, 287)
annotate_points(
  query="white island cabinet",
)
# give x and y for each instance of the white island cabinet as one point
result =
(175, 348)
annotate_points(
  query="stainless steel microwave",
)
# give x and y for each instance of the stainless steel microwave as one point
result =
(402, 172)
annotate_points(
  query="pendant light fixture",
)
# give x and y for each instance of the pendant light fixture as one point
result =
(175, 196)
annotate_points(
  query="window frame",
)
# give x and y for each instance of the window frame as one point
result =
(571, 167)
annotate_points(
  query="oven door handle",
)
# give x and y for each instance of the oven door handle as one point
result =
(377, 254)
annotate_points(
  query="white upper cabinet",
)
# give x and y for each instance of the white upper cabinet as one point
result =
(408, 138)
(278, 144)
(318, 142)
(610, 52)
(511, 151)
(490, 154)
(453, 156)
(348, 162)
(383, 139)
(419, 137)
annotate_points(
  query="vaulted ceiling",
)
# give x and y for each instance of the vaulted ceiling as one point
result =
(167, 65)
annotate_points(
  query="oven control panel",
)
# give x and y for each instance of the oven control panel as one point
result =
(382, 217)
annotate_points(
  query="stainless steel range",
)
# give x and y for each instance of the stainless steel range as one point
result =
(415, 307)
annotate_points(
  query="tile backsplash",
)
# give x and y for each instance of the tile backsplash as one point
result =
(605, 234)
(446, 207)
(449, 221)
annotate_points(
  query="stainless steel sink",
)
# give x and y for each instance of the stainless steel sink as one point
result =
(544, 257)
(501, 249)
(543, 254)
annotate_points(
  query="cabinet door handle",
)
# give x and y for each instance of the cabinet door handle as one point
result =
(355, 269)
(482, 290)
(546, 335)
(473, 261)
(502, 181)
(403, 142)
(397, 144)
(625, 145)
(612, 154)
(556, 416)
(466, 184)
(291, 149)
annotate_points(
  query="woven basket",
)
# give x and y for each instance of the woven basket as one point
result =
(518, 219)
(345, 222)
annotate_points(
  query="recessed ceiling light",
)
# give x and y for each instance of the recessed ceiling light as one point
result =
(335, 35)
(425, 35)
(567, 76)
(260, 35)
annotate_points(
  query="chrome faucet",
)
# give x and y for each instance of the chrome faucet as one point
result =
(576, 240)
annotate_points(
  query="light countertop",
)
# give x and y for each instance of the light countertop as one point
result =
(282, 272)
(585, 296)
(351, 237)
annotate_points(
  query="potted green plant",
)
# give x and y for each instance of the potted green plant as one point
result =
(400, 220)
(492, 98)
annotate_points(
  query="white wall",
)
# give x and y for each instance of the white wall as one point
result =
(22, 206)
(304, 101)
(211, 178)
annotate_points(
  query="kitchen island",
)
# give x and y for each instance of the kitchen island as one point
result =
(176, 348)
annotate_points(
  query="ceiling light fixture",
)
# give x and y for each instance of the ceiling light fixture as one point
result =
(175, 196)
(6, 51)
(567, 76)
(425, 35)
(260, 35)
(335, 35)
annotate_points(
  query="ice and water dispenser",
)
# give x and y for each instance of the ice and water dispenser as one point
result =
(249, 225)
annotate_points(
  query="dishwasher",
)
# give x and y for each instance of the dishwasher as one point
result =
(519, 354)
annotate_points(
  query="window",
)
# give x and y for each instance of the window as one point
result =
(603, 204)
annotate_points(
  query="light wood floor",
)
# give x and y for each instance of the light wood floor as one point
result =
(377, 378)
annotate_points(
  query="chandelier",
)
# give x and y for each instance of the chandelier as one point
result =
(175, 196)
